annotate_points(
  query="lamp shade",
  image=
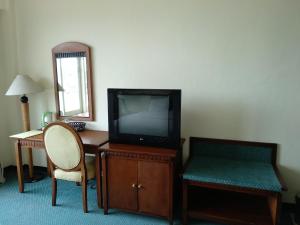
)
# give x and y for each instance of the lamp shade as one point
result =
(22, 85)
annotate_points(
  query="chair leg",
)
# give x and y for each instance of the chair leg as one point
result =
(84, 195)
(54, 191)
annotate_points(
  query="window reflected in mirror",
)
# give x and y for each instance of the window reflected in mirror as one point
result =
(72, 82)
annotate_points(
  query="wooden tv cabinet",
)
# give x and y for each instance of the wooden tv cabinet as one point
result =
(140, 179)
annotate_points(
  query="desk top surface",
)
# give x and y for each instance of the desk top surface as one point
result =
(88, 137)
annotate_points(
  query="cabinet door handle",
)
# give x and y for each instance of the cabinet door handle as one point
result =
(133, 185)
(140, 186)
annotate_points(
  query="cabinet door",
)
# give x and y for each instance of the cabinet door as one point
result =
(122, 175)
(154, 192)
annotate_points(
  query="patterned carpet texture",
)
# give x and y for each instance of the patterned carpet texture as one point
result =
(33, 207)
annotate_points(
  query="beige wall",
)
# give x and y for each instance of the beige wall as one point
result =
(9, 113)
(2, 84)
(237, 62)
(4, 4)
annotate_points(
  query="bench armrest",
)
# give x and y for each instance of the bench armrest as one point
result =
(280, 178)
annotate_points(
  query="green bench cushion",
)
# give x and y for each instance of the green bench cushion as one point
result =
(248, 174)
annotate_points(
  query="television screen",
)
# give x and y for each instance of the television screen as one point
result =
(143, 115)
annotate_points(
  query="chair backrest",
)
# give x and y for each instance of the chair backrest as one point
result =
(63, 146)
(233, 149)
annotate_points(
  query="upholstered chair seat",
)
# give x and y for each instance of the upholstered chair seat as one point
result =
(67, 160)
(76, 175)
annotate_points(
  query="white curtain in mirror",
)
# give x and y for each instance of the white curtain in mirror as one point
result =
(72, 86)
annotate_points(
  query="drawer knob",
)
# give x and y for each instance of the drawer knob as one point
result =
(133, 185)
(140, 186)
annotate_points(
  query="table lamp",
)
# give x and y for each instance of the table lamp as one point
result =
(21, 86)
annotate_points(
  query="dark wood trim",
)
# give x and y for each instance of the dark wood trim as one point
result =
(234, 142)
(137, 156)
(252, 191)
(272, 146)
(132, 150)
(68, 47)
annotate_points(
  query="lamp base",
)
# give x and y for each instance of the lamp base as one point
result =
(36, 177)
(38, 174)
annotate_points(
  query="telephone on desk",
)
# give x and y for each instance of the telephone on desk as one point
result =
(47, 117)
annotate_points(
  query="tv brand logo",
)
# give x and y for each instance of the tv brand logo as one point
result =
(141, 139)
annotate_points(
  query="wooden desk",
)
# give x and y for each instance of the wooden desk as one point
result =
(91, 140)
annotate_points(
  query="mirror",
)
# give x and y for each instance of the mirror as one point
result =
(72, 81)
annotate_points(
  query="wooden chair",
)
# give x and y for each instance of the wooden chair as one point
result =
(67, 160)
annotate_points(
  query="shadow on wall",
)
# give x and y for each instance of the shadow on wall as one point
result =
(291, 177)
(212, 120)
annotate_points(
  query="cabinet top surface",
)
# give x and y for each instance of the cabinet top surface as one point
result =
(139, 149)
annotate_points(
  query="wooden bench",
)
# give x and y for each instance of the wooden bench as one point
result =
(232, 182)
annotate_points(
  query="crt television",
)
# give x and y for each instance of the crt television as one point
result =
(144, 116)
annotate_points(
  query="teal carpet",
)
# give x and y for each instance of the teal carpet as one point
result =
(33, 207)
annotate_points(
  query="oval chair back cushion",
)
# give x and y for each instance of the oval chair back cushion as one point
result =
(62, 147)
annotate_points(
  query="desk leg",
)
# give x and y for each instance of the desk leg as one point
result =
(19, 166)
(105, 194)
(99, 180)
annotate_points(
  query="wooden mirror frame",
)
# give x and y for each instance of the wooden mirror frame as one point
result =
(69, 47)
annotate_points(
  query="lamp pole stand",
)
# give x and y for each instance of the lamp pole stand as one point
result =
(23, 85)
(26, 127)
(32, 177)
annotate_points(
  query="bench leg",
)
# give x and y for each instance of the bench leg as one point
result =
(274, 201)
(184, 203)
